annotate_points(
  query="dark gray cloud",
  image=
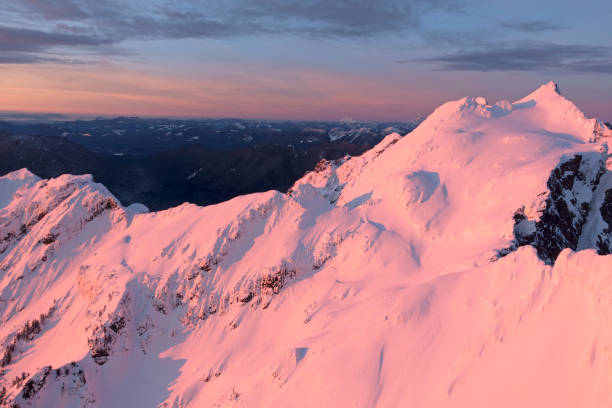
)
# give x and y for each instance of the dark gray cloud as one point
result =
(447, 38)
(527, 57)
(337, 18)
(91, 23)
(26, 40)
(205, 18)
(52, 9)
(19, 58)
(533, 26)
(28, 46)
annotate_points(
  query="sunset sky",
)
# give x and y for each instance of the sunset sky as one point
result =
(308, 59)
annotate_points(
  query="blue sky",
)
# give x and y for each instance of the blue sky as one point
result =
(309, 59)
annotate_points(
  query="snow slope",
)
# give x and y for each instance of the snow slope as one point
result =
(430, 271)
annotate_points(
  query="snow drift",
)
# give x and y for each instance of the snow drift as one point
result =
(462, 265)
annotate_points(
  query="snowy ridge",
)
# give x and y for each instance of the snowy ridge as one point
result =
(437, 269)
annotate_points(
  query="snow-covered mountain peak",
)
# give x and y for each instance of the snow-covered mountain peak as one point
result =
(21, 174)
(412, 275)
(13, 181)
(51, 212)
(544, 109)
(547, 95)
(551, 109)
(549, 88)
(464, 145)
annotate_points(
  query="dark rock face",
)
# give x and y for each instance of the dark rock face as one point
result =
(276, 280)
(34, 385)
(567, 208)
(104, 337)
(606, 208)
(571, 186)
(67, 380)
(604, 246)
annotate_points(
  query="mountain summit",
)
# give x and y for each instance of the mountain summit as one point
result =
(464, 264)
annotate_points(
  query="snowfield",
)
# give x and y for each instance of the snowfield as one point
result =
(463, 265)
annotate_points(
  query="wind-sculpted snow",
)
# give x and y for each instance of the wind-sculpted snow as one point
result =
(375, 281)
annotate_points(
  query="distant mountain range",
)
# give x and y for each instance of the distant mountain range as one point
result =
(128, 135)
(164, 162)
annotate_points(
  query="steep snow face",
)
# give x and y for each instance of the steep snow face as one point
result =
(376, 281)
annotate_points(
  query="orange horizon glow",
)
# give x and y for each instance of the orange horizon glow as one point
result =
(117, 91)
(283, 94)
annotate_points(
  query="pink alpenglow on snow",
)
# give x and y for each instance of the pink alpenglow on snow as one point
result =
(462, 265)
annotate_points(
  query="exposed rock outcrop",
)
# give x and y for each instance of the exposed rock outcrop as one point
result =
(572, 185)
(604, 239)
